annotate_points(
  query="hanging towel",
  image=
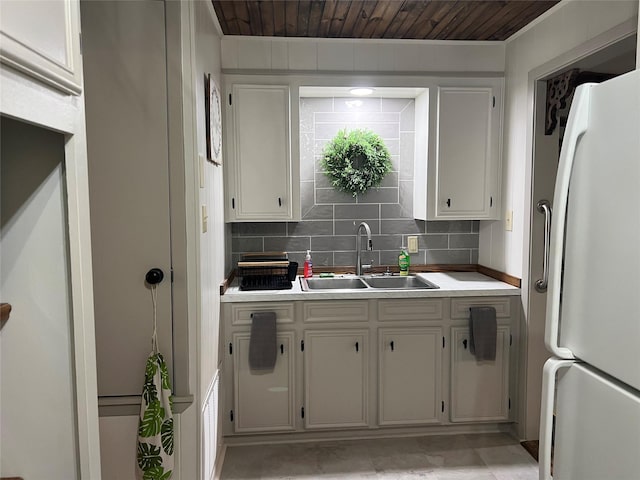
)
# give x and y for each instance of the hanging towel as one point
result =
(482, 332)
(262, 344)
(155, 426)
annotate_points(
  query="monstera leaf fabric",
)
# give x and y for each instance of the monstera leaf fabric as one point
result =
(155, 427)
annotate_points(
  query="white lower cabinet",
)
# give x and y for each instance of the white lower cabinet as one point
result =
(479, 389)
(264, 400)
(363, 365)
(410, 365)
(335, 378)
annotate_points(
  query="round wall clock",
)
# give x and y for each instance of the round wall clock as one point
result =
(214, 121)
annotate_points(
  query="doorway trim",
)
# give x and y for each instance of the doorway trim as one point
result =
(25, 99)
(528, 426)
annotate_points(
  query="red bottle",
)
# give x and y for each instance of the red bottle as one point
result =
(308, 266)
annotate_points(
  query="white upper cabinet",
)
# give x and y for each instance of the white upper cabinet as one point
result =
(42, 39)
(260, 182)
(459, 163)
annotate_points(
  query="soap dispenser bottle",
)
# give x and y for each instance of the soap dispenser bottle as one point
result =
(308, 266)
(403, 261)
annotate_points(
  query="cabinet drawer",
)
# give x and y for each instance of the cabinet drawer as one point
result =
(460, 306)
(336, 311)
(241, 313)
(410, 309)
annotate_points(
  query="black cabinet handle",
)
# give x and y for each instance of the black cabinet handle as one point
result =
(357, 347)
(279, 201)
(392, 346)
(464, 343)
(449, 202)
(281, 349)
(233, 203)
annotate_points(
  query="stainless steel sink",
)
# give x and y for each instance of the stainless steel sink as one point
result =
(332, 283)
(410, 282)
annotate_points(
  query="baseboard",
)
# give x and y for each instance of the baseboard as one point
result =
(361, 434)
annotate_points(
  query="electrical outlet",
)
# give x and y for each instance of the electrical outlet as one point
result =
(508, 221)
(413, 244)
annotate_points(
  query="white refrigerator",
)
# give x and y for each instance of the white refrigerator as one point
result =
(591, 387)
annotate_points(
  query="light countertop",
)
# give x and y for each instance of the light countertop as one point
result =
(452, 284)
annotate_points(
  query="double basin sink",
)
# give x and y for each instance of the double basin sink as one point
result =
(409, 282)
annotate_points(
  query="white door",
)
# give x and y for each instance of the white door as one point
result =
(263, 399)
(597, 293)
(597, 434)
(126, 108)
(335, 368)
(410, 375)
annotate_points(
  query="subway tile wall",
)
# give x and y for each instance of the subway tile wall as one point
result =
(330, 218)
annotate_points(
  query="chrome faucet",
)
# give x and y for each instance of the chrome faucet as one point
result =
(359, 246)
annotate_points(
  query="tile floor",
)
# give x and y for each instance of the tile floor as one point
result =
(447, 457)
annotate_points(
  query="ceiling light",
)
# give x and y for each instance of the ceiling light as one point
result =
(360, 92)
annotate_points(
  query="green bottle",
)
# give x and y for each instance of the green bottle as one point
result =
(403, 262)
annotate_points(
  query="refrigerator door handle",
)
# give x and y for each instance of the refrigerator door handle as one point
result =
(545, 207)
(577, 124)
(549, 371)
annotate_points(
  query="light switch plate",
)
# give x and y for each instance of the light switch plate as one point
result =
(205, 219)
(508, 221)
(201, 170)
(413, 244)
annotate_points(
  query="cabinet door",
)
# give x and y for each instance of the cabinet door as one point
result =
(263, 399)
(466, 153)
(410, 375)
(335, 364)
(479, 390)
(50, 54)
(261, 180)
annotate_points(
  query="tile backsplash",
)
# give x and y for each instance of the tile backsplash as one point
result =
(330, 218)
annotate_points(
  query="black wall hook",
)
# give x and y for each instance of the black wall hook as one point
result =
(154, 276)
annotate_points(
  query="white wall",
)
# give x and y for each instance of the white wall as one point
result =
(212, 242)
(560, 30)
(197, 54)
(570, 30)
(309, 55)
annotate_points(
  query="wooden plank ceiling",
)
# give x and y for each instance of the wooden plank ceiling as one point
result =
(400, 19)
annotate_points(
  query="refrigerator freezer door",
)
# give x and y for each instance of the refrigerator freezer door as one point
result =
(600, 278)
(597, 433)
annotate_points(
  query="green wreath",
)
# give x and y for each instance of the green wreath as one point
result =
(356, 161)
